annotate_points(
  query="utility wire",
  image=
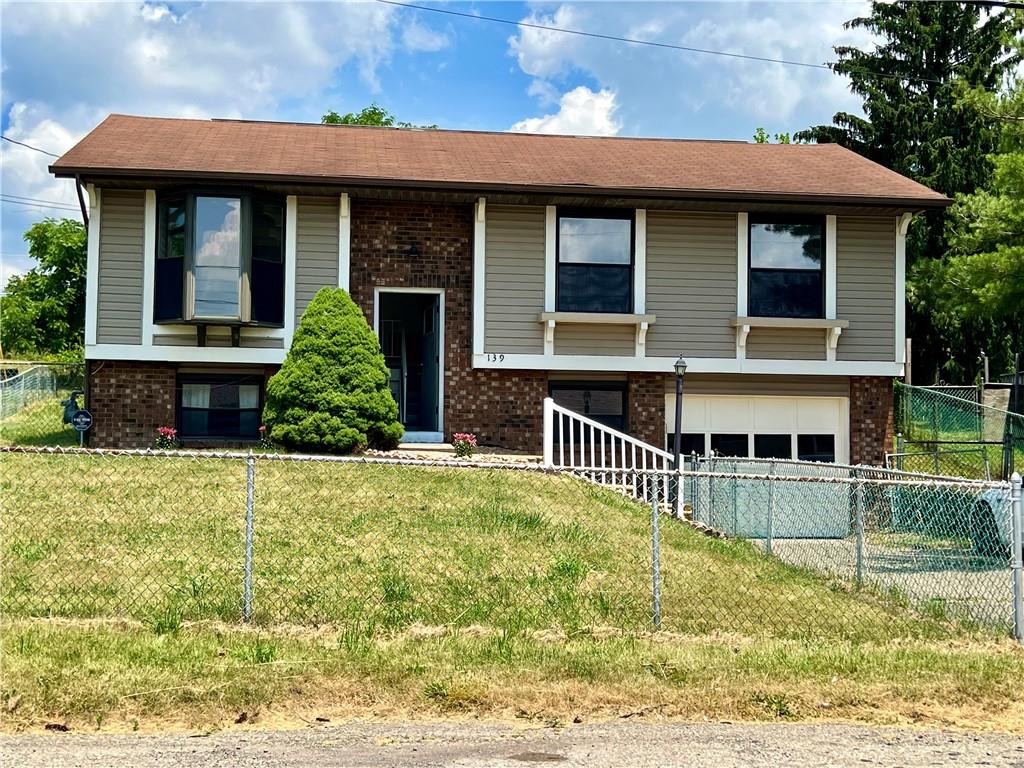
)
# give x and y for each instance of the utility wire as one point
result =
(652, 43)
(27, 146)
(40, 200)
(38, 205)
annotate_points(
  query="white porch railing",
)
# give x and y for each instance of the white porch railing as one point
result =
(602, 454)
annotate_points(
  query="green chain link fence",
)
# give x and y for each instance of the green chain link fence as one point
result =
(943, 434)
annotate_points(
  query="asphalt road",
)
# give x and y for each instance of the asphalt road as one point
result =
(476, 745)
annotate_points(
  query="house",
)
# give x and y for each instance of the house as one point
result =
(497, 269)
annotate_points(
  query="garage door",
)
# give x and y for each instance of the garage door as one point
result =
(811, 428)
(808, 428)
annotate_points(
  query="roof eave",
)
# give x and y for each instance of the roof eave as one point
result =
(909, 202)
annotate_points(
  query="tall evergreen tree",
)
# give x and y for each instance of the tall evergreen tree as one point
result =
(916, 123)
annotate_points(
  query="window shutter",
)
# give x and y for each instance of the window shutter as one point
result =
(169, 275)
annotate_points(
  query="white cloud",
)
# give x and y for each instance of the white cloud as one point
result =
(581, 112)
(416, 37)
(544, 53)
(665, 92)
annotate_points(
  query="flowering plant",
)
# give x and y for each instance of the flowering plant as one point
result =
(464, 444)
(166, 438)
(266, 444)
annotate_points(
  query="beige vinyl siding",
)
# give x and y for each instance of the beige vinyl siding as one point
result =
(581, 339)
(866, 287)
(119, 294)
(316, 249)
(691, 284)
(786, 344)
(761, 384)
(514, 280)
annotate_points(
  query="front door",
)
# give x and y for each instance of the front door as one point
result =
(409, 328)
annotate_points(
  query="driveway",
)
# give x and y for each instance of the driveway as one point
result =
(478, 745)
(968, 586)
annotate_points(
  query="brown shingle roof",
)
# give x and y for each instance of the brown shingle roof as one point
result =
(138, 146)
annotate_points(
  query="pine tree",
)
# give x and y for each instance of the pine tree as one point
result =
(332, 394)
(917, 123)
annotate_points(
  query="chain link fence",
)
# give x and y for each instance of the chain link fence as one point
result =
(781, 549)
(950, 435)
(33, 401)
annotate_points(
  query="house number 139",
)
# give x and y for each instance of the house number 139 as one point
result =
(491, 358)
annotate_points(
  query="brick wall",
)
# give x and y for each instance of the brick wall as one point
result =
(871, 419)
(501, 407)
(128, 401)
(647, 407)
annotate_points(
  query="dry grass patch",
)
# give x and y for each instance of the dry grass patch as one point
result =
(125, 676)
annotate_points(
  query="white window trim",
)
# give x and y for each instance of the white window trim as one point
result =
(344, 241)
(620, 363)
(832, 339)
(640, 262)
(439, 292)
(902, 225)
(742, 278)
(550, 268)
(291, 237)
(148, 267)
(479, 275)
(92, 264)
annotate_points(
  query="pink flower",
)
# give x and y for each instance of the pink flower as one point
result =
(263, 429)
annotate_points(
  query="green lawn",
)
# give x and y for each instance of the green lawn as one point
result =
(383, 547)
(432, 591)
(39, 424)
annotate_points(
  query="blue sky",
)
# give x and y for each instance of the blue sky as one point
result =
(66, 66)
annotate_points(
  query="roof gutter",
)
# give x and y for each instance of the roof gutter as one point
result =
(81, 202)
(484, 186)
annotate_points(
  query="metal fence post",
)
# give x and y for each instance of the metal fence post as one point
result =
(655, 562)
(250, 504)
(859, 527)
(693, 487)
(771, 508)
(1017, 556)
(899, 451)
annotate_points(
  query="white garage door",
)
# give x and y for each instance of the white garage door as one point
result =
(809, 428)
(813, 428)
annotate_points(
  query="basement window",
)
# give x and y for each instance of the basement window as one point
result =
(220, 259)
(219, 407)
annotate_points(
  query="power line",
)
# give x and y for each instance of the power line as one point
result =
(38, 205)
(651, 43)
(39, 200)
(27, 146)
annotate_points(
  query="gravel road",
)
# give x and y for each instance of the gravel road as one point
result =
(476, 745)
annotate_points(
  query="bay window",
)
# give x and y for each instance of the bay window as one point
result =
(220, 259)
(595, 261)
(787, 267)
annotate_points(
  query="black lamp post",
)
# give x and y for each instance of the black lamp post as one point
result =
(680, 368)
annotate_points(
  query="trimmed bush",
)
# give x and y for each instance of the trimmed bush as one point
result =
(332, 395)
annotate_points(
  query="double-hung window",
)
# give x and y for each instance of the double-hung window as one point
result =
(220, 259)
(787, 267)
(595, 261)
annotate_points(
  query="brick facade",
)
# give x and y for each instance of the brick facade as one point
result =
(646, 404)
(128, 401)
(501, 407)
(871, 419)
